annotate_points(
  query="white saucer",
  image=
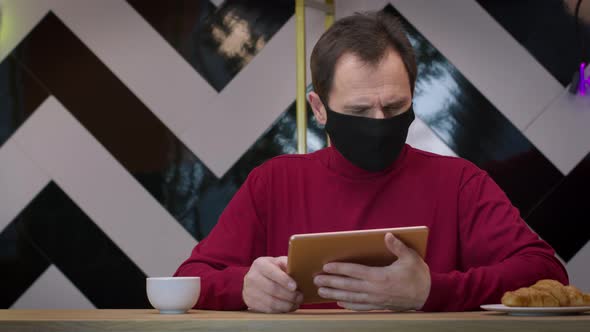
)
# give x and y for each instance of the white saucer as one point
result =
(535, 311)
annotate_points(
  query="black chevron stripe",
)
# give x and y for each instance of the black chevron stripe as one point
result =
(20, 95)
(196, 29)
(53, 230)
(21, 264)
(562, 216)
(546, 29)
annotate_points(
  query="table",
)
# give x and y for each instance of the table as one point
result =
(302, 320)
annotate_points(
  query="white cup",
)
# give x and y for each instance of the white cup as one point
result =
(173, 295)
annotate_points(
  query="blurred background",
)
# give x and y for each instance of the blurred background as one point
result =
(126, 126)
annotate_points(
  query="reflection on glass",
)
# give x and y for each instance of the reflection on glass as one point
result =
(235, 39)
(233, 35)
(474, 129)
(217, 42)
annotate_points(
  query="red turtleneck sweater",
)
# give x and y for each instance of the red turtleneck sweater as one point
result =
(478, 248)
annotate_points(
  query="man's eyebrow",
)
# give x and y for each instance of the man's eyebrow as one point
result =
(357, 106)
(396, 103)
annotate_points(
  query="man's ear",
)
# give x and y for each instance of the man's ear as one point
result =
(319, 111)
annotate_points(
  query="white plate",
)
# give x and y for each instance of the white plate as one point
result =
(535, 311)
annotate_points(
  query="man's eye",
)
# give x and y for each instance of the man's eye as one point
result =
(359, 111)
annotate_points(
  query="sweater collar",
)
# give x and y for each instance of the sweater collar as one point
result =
(336, 162)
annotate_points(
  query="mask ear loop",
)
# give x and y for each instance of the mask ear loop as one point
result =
(326, 107)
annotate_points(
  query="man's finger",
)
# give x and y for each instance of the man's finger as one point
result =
(273, 288)
(359, 306)
(353, 270)
(281, 262)
(283, 306)
(345, 296)
(396, 246)
(273, 272)
(273, 305)
(343, 283)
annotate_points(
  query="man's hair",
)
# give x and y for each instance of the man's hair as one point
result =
(368, 36)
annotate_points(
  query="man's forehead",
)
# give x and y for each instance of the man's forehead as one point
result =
(356, 81)
(350, 61)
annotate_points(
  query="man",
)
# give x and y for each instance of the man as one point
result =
(363, 71)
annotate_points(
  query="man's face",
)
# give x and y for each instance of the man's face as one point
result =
(375, 91)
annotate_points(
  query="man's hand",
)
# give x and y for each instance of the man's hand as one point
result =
(268, 288)
(403, 285)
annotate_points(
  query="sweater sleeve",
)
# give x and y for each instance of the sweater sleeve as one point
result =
(224, 257)
(498, 252)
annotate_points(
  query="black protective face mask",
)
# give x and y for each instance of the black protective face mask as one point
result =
(371, 144)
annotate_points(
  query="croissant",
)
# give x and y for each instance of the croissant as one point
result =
(529, 297)
(576, 296)
(546, 293)
(556, 289)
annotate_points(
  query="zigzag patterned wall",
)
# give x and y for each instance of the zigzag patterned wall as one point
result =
(126, 127)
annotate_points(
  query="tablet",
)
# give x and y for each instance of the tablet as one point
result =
(309, 252)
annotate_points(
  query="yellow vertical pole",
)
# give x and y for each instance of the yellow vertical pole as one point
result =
(329, 20)
(301, 82)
